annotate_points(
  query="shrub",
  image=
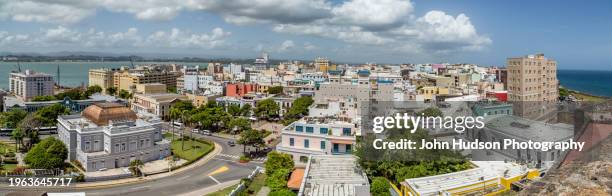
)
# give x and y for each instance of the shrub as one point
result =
(282, 192)
(48, 154)
(380, 187)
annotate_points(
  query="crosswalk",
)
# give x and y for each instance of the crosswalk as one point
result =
(259, 159)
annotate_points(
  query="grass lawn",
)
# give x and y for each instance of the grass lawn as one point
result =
(258, 182)
(4, 147)
(194, 149)
(9, 167)
(223, 192)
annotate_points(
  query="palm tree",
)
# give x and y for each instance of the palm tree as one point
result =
(136, 167)
(186, 117)
(175, 113)
(18, 136)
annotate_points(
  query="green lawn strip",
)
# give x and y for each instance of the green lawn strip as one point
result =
(223, 192)
(193, 149)
(8, 167)
(258, 182)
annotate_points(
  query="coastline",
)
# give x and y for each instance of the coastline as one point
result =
(582, 96)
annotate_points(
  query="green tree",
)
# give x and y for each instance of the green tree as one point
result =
(48, 154)
(92, 90)
(266, 108)
(136, 167)
(111, 90)
(277, 160)
(48, 115)
(74, 94)
(298, 109)
(278, 179)
(12, 118)
(125, 94)
(234, 110)
(30, 125)
(251, 137)
(380, 187)
(18, 136)
(431, 112)
(44, 98)
(238, 125)
(245, 110)
(275, 90)
(171, 89)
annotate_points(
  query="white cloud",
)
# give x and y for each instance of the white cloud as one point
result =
(131, 38)
(373, 14)
(388, 24)
(309, 46)
(286, 45)
(176, 38)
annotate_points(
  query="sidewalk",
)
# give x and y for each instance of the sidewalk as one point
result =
(110, 183)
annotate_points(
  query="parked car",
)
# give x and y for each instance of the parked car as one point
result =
(206, 132)
(195, 130)
(231, 143)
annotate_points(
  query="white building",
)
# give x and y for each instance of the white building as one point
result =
(29, 84)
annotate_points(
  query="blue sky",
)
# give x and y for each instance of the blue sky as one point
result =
(576, 34)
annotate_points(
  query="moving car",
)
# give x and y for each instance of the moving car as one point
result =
(231, 143)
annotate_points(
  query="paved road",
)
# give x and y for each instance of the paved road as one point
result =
(222, 168)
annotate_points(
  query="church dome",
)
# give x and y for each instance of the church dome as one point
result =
(102, 113)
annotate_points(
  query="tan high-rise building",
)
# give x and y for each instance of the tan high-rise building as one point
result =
(102, 77)
(533, 85)
(322, 64)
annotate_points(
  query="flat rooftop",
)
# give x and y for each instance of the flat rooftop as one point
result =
(526, 129)
(487, 170)
(334, 175)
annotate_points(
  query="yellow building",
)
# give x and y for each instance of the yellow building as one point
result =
(428, 92)
(322, 64)
(102, 77)
(127, 80)
(488, 178)
(158, 104)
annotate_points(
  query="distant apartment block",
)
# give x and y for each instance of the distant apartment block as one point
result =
(127, 80)
(109, 135)
(29, 84)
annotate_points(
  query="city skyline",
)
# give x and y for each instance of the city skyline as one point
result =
(478, 32)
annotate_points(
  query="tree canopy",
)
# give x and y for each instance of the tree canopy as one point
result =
(431, 112)
(111, 90)
(48, 154)
(251, 137)
(266, 108)
(48, 115)
(277, 160)
(12, 118)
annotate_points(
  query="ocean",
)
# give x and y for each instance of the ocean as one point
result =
(75, 74)
(587, 81)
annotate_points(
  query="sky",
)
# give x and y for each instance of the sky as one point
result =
(576, 34)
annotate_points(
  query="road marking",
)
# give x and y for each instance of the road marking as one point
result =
(219, 170)
(214, 180)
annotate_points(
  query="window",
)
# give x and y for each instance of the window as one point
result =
(346, 131)
(116, 147)
(322, 144)
(122, 147)
(87, 145)
(323, 130)
(309, 129)
(299, 128)
(291, 142)
(306, 143)
(348, 148)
